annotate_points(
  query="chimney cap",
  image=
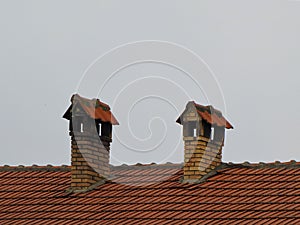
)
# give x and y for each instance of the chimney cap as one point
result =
(209, 114)
(94, 108)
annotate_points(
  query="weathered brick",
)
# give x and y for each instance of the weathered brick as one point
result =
(81, 185)
(192, 177)
(188, 164)
(194, 168)
(75, 163)
(190, 172)
(88, 152)
(185, 177)
(194, 159)
(198, 172)
(75, 180)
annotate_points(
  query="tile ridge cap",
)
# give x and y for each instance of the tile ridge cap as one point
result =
(35, 167)
(147, 166)
(261, 165)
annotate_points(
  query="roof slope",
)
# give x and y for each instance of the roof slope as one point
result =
(210, 115)
(237, 194)
(93, 107)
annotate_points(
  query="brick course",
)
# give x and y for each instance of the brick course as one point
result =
(201, 155)
(90, 159)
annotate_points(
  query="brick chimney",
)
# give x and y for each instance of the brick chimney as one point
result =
(203, 136)
(90, 128)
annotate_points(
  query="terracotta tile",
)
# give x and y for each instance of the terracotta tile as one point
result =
(250, 196)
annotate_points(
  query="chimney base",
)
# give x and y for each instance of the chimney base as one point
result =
(90, 159)
(201, 156)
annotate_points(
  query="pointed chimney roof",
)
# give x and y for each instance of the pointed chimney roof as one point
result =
(210, 115)
(93, 107)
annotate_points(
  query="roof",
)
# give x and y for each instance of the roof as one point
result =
(152, 194)
(93, 107)
(210, 115)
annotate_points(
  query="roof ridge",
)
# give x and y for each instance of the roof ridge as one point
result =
(210, 114)
(276, 164)
(146, 166)
(35, 167)
(94, 101)
(93, 108)
(224, 165)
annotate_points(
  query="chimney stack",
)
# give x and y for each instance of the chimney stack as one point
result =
(203, 136)
(90, 128)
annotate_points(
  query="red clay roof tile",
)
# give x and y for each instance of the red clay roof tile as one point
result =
(210, 115)
(236, 195)
(93, 107)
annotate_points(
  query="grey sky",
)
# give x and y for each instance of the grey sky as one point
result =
(251, 46)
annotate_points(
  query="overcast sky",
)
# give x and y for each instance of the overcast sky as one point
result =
(248, 67)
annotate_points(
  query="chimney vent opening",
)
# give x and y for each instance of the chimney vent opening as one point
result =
(88, 121)
(190, 129)
(212, 134)
(203, 136)
(195, 132)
